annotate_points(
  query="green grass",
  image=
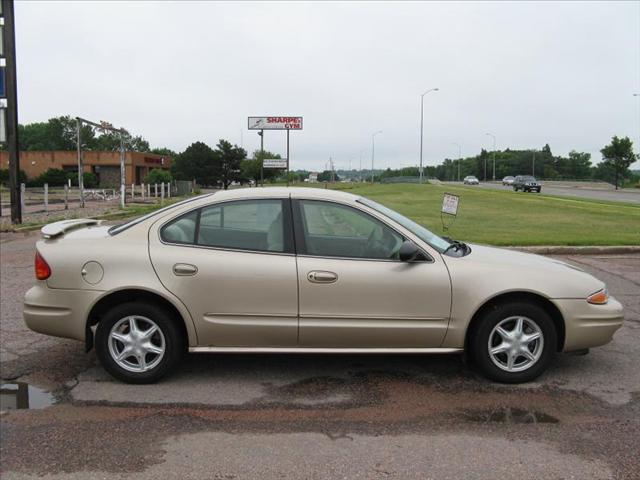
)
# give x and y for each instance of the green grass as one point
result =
(510, 218)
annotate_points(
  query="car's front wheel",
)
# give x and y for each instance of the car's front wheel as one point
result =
(137, 342)
(514, 342)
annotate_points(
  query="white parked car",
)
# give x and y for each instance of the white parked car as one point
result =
(305, 270)
(470, 180)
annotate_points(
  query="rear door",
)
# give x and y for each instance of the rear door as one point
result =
(232, 265)
(354, 292)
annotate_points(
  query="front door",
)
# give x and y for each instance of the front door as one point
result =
(355, 292)
(232, 265)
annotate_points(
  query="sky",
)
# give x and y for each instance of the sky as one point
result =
(530, 73)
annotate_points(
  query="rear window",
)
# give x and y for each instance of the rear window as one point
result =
(116, 229)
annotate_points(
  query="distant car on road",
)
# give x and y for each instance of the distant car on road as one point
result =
(471, 180)
(526, 183)
(506, 181)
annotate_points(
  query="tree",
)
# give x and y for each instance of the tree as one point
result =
(109, 141)
(619, 156)
(250, 168)
(60, 133)
(327, 176)
(57, 133)
(167, 152)
(157, 175)
(227, 160)
(196, 162)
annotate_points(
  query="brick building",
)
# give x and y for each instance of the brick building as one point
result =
(104, 165)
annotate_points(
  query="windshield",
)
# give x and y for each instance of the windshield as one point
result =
(528, 179)
(431, 238)
(116, 229)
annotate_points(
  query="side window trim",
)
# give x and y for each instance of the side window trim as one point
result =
(287, 225)
(299, 225)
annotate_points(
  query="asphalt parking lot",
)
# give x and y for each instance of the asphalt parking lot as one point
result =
(285, 416)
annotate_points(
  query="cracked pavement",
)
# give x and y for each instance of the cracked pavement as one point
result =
(286, 416)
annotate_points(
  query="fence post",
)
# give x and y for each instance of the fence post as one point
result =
(142, 190)
(23, 191)
(168, 189)
(193, 186)
(155, 185)
(46, 197)
(133, 191)
(66, 197)
(162, 191)
(149, 190)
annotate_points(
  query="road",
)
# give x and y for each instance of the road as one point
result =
(285, 416)
(626, 195)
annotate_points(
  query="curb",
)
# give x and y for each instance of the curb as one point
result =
(587, 250)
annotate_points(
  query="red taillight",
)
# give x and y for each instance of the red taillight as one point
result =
(42, 268)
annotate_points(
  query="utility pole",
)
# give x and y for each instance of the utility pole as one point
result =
(494, 157)
(80, 165)
(421, 125)
(459, 157)
(11, 81)
(373, 150)
(122, 188)
(533, 165)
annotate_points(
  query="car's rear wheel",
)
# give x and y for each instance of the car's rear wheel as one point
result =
(514, 342)
(138, 343)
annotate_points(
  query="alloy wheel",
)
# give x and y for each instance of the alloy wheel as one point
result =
(136, 344)
(516, 344)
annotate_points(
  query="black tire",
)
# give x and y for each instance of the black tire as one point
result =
(479, 341)
(173, 342)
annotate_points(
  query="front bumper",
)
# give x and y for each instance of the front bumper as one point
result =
(58, 312)
(588, 325)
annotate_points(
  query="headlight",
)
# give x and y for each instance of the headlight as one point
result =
(599, 298)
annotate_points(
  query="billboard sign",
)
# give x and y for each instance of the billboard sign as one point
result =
(274, 163)
(275, 123)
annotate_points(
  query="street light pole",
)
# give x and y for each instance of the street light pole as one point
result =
(494, 158)
(422, 124)
(459, 157)
(373, 150)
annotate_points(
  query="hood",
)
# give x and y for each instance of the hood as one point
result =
(511, 270)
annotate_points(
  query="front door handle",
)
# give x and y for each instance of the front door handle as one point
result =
(321, 276)
(184, 269)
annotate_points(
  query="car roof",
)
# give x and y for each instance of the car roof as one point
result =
(282, 192)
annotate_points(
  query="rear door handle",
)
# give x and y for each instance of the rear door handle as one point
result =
(321, 276)
(184, 269)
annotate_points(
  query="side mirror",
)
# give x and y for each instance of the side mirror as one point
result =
(409, 252)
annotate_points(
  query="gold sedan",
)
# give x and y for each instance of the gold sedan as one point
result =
(305, 271)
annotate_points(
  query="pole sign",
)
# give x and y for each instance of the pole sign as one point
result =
(275, 123)
(274, 163)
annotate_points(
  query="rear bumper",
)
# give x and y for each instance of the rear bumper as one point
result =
(588, 325)
(57, 312)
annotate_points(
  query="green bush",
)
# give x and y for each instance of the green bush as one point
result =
(4, 177)
(88, 179)
(55, 177)
(157, 175)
